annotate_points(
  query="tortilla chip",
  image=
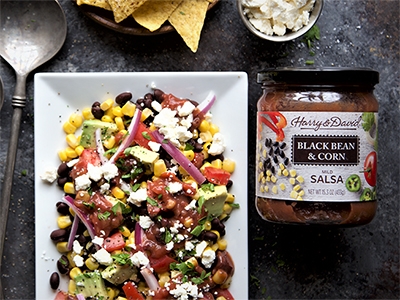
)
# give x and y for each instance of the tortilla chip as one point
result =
(124, 8)
(154, 13)
(98, 3)
(188, 19)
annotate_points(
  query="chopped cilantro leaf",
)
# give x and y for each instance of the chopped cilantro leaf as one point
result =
(146, 135)
(197, 230)
(135, 187)
(151, 201)
(207, 187)
(200, 203)
(103, 216)
(122, 258)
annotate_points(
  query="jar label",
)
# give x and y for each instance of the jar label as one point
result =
(316, 156)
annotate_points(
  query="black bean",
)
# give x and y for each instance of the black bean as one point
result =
(229, 184)
(81, 239)
(61, 181)
(63, 264)
(283, 145)
(54, 280)
(286, 161)
(275, 159)
(268, 160)
(268, 143)
(275, 144)
(217, 225)
(149, 96)
(273, 170)
(196, 123)
(277, 150)
(122, 98)
(96, 103)
(59, 235)
(158, 95)
(282, 154)
(147, 102)
(210, 236)
(62, 208)
(269, 166)
(97, 112)
(63, 170)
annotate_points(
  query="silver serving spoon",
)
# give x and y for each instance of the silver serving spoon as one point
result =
(32, 32)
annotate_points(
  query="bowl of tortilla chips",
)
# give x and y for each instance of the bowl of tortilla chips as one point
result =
(151, 17)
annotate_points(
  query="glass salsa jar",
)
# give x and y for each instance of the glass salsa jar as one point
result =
(316, 156)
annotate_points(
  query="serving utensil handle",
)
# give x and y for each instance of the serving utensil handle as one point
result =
(18, 102)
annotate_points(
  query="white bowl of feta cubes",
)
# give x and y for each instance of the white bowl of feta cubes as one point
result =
(279, 20)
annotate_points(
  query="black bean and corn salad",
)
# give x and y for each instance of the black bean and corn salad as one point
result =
(146, 199)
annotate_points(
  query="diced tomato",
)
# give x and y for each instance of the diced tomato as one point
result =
(131, 292)
(161, 265)
(114, 242)
(223, 293)
(88, 156)
(63, 296)
(161, 294)
(143, 136)
(216, 176)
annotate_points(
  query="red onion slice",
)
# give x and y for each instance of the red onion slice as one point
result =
(132, 129)
(139, 234)
(82, 216)
(179, 157)
(72, 234)
(205, 106)
(150, 279)
(99, 146)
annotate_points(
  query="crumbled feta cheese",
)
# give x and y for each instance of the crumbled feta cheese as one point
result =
(104, 188)
(191, 205)
(186, 109)
(217, 145)
(98, 240)
(156, 106)
(200, 248)
(207, 258)
(138, 196)
(155, 147)
(145, 222)
(72, 162)
(174, 187)
(78, 260)
(109, 171)
(49, 175)
(189, 246)
(276, 16)
(82, 182)
(170, 246)
(77, 247)
(103, 257)
(185, 290)
(95, 173)
(174, 229)
(139, 259)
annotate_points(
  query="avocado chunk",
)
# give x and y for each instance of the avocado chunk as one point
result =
(89, 127)
(117, 274)
(144, 155)
(214, 200)
(91, 284)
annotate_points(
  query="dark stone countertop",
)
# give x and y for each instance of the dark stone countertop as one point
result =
(287, 262)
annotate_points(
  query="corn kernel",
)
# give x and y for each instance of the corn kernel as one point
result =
(220, 276)
(70, 260)
(87, 113)
(275, 189)
(221, 297)
(297, 187)
(230, 198)
(268, 178)
(107, 119)
(273, 179)
(107, 104)
(227, 208)
(159, 167)
(163, 279)
(74, 272)
(147, 112)
(79, 150)
(205, 137)
(300, 179)
(62, 247)
(279, 172)
(117, 192)
(223, 216)
(281, 166)
(222, 244)
(76, 120)
(205, 165)
(72, 141)
(195, 134)
(282, 186)
(112, 293)
(207, 225)
(69, 128)
(285, 172)
(69, 188)
(125, 231)
(182, 171)
(91, 264)
(217, 233)
(292, 173)
(205, 150)
(71, 211)
(204, 126)
(109, 143)
(70, 152)
(117, 111)
(214, 247)
(217, 163)
(292, 181)
(213, 129)
(269, 173)
(228, 165)
(128, 109)
(301, 193)
(72, 287)
(189, 154)
(293, 194)
(266, 189)
(188, 222)
(63, 156)
(121, 298)
(120, 123)
(64, 221)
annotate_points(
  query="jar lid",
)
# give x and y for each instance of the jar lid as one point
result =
(319, 76)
